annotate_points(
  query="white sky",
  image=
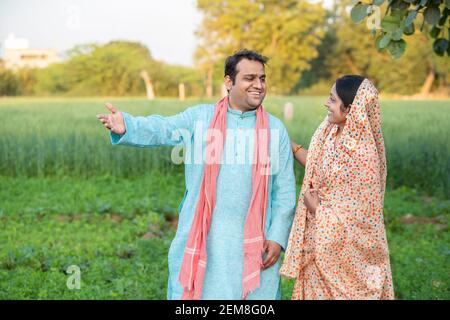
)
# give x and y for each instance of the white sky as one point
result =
(166, 27)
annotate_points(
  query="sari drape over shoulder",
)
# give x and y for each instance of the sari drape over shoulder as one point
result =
(341, 251)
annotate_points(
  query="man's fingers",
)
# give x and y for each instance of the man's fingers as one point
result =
(270, 262)
(269, 257)
(103, 117)
(110, 107)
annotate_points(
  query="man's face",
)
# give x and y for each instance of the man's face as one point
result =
(249, 88)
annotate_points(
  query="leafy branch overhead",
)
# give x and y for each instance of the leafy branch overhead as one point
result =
(402, 18)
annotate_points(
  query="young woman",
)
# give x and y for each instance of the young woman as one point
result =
(337, 247)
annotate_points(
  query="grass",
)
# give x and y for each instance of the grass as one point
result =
(118, 232)
(44, 137)
(67, 197)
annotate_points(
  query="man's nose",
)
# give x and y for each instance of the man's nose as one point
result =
(258, 84)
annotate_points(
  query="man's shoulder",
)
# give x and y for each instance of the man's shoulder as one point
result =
(201, 108)
(275, 123)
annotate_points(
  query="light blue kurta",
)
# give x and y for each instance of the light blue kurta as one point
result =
(223, 276)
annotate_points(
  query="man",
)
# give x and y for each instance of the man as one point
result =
(238, 207)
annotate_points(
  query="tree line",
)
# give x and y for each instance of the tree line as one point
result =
(308, 46)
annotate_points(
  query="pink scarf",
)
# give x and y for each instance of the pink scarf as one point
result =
(194, 259)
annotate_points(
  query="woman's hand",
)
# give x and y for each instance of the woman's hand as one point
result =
(311, 200)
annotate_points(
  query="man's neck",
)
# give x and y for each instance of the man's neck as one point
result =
(234, 106)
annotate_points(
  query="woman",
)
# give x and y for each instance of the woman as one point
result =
(337, 247)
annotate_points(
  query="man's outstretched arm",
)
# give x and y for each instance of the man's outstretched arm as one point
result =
(148, 131)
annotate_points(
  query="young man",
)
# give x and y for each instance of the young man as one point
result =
(239, 202)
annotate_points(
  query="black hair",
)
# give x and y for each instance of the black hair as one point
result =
(232, 61)
(347, 87)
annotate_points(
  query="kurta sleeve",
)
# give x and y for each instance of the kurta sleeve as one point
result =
(283, 194)
(155, 130)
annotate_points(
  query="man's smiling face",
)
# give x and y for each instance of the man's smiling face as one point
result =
(249, 88)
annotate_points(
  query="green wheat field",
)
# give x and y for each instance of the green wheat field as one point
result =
(68, 197)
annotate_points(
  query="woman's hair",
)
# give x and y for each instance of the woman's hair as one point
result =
(346, 88)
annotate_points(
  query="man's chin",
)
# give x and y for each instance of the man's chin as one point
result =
(255, 103)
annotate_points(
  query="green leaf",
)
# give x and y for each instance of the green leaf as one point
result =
(390, 23)
(397, 48)
(377, 44)
(399, 5)
(397, 34)
(410, 18)
(432, 15)
(359, 12)
(399, 13)
(377, 2)
(409, 30)
(384, 41)
(434, 33)
(444, 17)
(440, 46)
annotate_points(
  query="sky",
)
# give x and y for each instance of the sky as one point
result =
(166, 27)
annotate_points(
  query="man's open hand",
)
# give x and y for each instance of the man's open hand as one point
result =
(113, 121)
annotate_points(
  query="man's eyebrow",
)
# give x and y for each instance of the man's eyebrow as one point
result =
(254, 75)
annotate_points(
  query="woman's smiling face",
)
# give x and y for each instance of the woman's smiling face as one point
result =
(334, 106)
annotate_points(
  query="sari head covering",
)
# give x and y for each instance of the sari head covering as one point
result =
(345, 240)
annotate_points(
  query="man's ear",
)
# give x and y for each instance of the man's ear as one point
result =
(228, 82)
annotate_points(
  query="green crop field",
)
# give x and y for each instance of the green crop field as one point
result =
(67, 197)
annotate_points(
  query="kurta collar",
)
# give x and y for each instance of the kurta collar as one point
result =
(241, 114)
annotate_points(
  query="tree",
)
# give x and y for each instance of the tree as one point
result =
(349, 50)
(286, 31)
(402, 17)
(8, 83)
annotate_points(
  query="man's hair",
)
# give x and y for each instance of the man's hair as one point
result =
(232, 61)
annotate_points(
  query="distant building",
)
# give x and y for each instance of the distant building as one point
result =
(17, 54)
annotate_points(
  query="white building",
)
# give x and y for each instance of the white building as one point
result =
(17, 54)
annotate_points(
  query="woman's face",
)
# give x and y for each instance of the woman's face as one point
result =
(334, 105)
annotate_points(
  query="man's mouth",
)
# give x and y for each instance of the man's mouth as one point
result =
(256, 94)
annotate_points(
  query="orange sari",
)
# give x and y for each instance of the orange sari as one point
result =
(341, 251)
